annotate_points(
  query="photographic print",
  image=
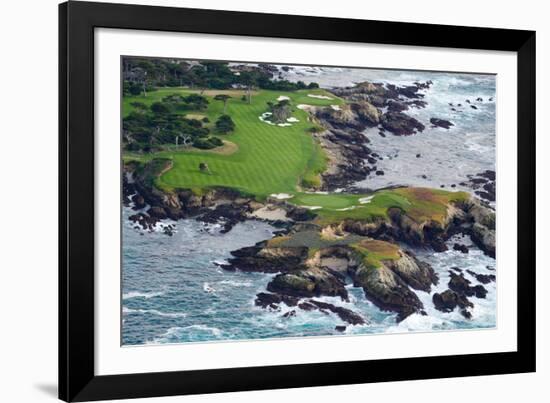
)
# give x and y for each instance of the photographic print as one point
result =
(274, 201)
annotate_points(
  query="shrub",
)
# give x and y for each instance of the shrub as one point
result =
(225, 124)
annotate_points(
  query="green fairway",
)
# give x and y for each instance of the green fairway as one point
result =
(269, 159)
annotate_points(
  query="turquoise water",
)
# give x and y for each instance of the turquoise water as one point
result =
(173, 291)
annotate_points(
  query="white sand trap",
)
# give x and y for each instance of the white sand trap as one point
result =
(336, 107)
(318, 192)
(281, 196)
(305, 107)
(284, 124)
(270, 213)
(283, 98)
(292, 120)
(365, 200)
(345, 209)
(263, 118)
(318, 96)
(312, 207)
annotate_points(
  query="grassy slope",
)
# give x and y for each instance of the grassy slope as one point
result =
(269, 159)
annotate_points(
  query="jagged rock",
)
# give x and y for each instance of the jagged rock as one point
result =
(265, 299)
(345, 314)
(448, 300)
(461, 285)
(388, 291)
(139, 201)
(289, 314)
(460, 248)
(400, 124)
(267, 260)
(484, 238)
(482, 278)
(441, 123)
(396, 106)
(308, 283)
(367, 112)
(419, 275)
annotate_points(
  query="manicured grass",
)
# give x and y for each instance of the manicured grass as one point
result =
(269, 159)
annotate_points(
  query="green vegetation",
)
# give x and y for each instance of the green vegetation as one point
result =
(225, 124)
(177, 130)
(268, 158)
(141, 75)
(419, 204)
(312, 240)
(373, 252)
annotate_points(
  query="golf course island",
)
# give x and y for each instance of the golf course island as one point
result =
(225, 143)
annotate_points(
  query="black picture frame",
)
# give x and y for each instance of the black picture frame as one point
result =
(77, 379)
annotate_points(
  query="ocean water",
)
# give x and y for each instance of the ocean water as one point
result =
(447, 156)
(174, 292)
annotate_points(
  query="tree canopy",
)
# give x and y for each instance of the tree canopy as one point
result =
(225, 124)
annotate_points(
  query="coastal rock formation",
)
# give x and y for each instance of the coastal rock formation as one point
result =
(309, 282)
(448, 300)
(417, 274)
(388, 291)
(441, 123)
(261, 258)
(483, 184)
(401, 124)
(388, 282)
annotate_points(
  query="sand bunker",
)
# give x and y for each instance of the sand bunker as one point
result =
(365, 200)
(264, 117)
(305, 107)
(318, 96)
(271, 213)
(346, 208)
(282, 196)
(312, 207)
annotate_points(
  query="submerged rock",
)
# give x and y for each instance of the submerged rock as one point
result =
(441, 123)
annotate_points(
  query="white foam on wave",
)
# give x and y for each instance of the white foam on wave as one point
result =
(175, 334)
(126, 310)
(208, 288)
(141, 294)
(236, 283)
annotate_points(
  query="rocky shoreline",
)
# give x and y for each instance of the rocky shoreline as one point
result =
(367, 105)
